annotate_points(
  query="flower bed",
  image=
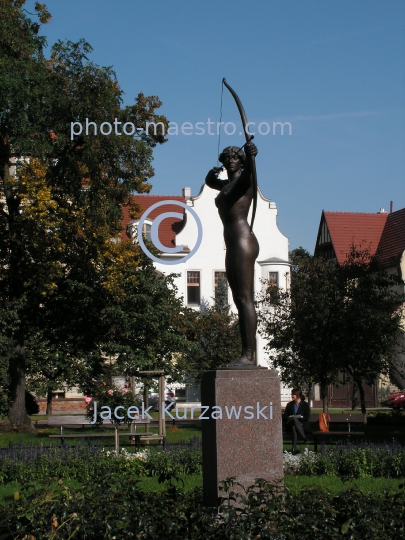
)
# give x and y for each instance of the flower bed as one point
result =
(350, 460)
(83, 460)
(19, 463)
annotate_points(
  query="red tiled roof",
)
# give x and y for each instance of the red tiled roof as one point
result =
(169, 227)
(347, 228)
(392, 243)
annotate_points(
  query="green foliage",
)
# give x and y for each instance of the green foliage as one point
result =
(355, 461)
(19, 463)
(59, 212)
(393, 419)
(30, 464)
(216, 340)
(184, 460)
(221, 296)
(8, 324)
(334, 319)
(300, 325)
(108, 508)
(109, 395)
(371, 322)
(299, 254)
(145, 322)
(334, 484)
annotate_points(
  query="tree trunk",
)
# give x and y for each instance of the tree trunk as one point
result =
(18, 414)
(362, 398)
(146, 394)
(324, 397)
(354, 396)
(310, 393)
(49, 396)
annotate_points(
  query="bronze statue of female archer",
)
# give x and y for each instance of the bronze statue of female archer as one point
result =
(242, 248)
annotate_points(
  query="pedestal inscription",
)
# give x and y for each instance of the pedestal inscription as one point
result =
(242, 435)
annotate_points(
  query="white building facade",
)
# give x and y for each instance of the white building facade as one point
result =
(198, 275)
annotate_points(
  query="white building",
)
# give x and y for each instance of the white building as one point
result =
(198, 275)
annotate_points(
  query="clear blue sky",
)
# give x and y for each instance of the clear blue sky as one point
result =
(335, 70)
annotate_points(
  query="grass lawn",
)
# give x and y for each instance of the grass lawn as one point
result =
(174, 435)
(373, 433)
(41, 437)
(335, 485)
(7, 490)
(295, 483)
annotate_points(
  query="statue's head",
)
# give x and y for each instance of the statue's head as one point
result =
(232, 157)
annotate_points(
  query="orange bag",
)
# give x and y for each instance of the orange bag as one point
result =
(324, 420)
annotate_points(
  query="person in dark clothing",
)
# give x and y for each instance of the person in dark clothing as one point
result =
(296, 416)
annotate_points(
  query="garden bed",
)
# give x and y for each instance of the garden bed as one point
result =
(107, 507)
(85, 492)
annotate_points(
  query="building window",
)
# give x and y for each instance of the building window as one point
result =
(273, 286)
(193, 288)
(132, 231)
(273, 279)
(146, 231)
(324, 236)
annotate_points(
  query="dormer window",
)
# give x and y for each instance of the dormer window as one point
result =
(147, 231)
(132, 230)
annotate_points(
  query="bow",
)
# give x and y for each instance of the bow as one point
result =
(251, 158)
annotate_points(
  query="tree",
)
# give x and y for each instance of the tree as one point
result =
(300, 324)
(221, 304)
(145, 324)
(299, 254)
(370, 323)
(215, 336)
(334, 319)
(59, 211)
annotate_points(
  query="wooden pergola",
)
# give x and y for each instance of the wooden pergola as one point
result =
(161, 390)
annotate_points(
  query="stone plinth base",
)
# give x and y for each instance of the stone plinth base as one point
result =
(247, 441)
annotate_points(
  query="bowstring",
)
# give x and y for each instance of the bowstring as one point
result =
(220, 120)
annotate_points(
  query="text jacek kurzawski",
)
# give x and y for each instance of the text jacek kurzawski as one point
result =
(231, 412)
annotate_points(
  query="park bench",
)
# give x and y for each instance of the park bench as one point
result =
(337, 422)
(76, 421)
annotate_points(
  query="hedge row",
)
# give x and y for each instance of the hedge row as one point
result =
(20, 463)
(110, 508)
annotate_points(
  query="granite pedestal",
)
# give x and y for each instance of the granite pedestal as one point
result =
(247, 441)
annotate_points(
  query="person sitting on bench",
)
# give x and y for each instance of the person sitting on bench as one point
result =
(296, 416)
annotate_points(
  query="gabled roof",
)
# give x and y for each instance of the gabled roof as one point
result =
(169, 227)
(383, 234)
(392, 243)
(347, 228)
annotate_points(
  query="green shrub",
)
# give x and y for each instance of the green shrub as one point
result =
(184, 458)
(107, 507)
(391, 419)
(19, 463)
(354, 461)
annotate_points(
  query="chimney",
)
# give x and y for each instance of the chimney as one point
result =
(187, 193)
(391, 206)
(382, 211)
